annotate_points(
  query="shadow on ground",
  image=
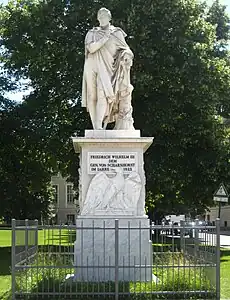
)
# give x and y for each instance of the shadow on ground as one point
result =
(5, 260)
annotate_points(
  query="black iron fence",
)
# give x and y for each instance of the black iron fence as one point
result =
(182, 262)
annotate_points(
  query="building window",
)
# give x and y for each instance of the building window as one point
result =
(71, 219)
(69, 194)
(225, 223)
(55, 192)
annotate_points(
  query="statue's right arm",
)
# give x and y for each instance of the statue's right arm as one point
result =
(95, 46)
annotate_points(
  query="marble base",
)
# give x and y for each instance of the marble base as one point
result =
(94, 249)
(111, 213)
(112, 134)
(112, 142)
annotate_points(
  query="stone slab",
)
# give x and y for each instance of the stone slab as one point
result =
(111, 217)
(105, 134)
(128, 142)
(94, 250)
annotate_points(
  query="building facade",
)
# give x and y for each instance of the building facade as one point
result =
(66, 206)
(212, 214)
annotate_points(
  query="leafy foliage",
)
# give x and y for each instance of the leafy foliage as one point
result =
(24, 174)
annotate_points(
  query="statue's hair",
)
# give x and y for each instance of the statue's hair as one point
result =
(104, 10)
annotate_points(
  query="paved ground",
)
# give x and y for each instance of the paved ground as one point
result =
(210, 239)
(225, 240)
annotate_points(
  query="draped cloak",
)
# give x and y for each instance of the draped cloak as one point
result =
(106, 62)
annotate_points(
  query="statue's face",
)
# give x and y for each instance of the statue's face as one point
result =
(104, 19)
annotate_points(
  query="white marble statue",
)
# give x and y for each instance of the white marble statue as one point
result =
(113, 195)
(106, 88)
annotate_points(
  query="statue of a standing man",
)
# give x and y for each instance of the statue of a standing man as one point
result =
(106, 56)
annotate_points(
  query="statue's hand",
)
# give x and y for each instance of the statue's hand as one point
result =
(128, 61)
(111, 99)
(108, 34)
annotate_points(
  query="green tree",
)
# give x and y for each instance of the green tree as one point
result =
(24, 174)
(182, 85)
(219, 18)
(25, 190)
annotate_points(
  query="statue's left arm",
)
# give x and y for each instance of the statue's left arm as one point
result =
(120, 36)
(121, 42)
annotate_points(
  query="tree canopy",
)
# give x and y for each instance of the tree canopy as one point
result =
(181, 78)
(24, 170)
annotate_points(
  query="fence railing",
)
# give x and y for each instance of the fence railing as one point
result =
(184, 263)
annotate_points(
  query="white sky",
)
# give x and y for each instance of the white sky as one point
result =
(18, 96)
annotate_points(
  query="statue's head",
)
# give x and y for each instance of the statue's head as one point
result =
(104, 16)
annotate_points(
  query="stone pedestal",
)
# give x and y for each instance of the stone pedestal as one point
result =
(113, 143)
(109, 250)
(112, 186)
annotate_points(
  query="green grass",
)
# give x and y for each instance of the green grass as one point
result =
(54, 237)
(67, 238)
(45, 237)
(5, 238)
(5, 262)
(225, 274)
(35, 280)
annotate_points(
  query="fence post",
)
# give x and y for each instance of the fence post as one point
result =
(26, 240)
(218, 259)
(36, 236)
(196, 237)
(116, 259)
(182, 235)
(13, 260)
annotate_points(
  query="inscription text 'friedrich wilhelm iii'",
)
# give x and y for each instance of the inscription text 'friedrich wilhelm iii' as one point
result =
(107, 161)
